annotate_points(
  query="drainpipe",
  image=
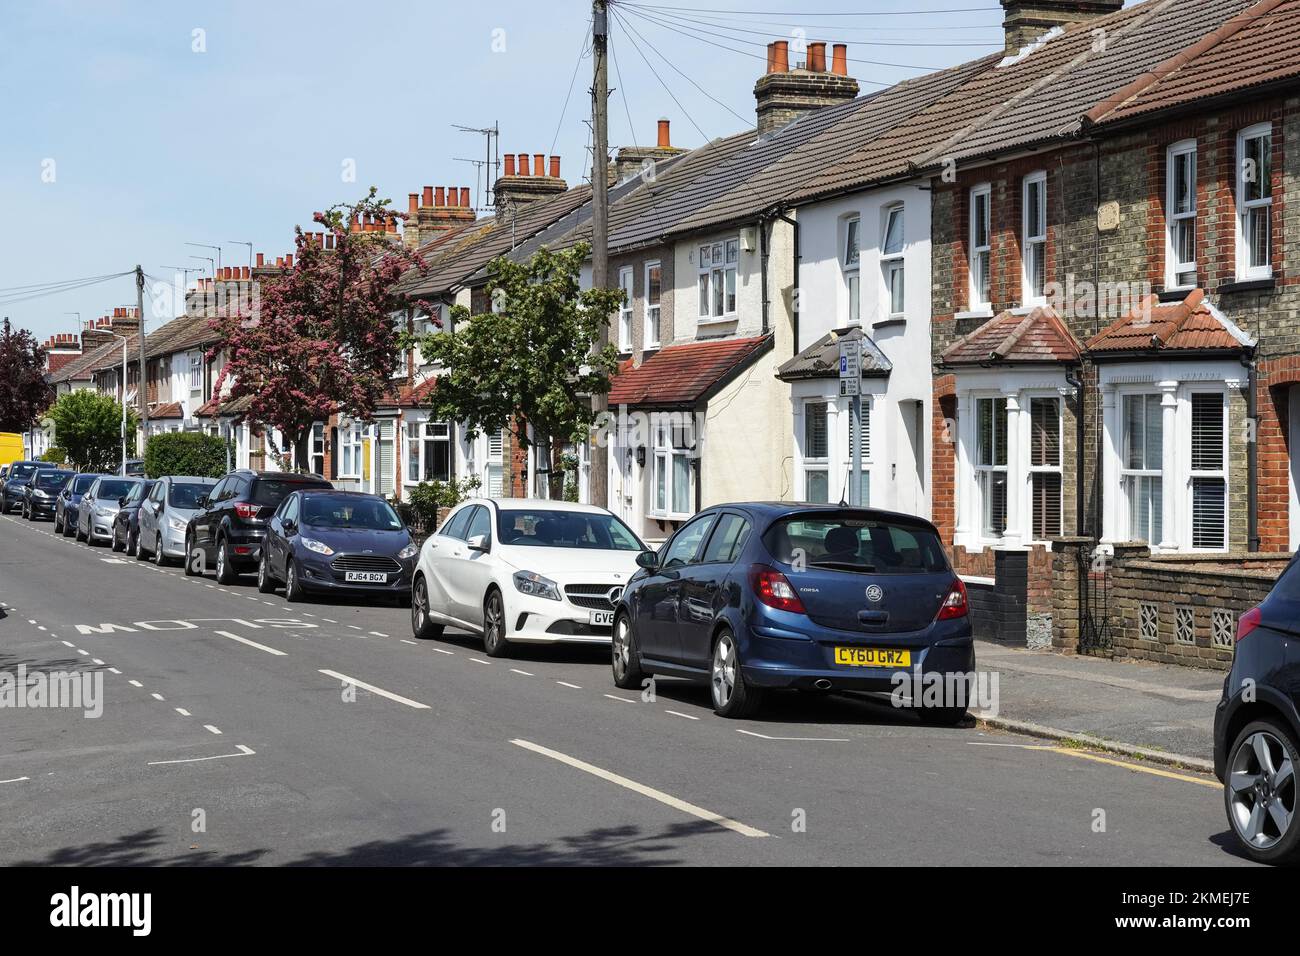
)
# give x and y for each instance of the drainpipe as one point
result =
(1252, 453)
(794, 298)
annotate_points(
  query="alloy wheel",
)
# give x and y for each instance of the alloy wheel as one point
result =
(722, 675)
(1261, 779)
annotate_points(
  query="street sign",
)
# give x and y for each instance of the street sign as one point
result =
(850, 367)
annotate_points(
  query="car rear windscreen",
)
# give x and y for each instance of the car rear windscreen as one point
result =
(856, 542)
(115, 488)
(271, 491)
(186, 496)
(565, 529)
(51, 479)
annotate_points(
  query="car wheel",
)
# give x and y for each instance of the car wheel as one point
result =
(1259, 792)
(190, 569)
(732, 696)
(292, 586)
(225, 572)
(494, 625)
(626, 656)
(265, 583)
(422, 625)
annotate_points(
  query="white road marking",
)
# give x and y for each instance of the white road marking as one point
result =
(182, 711)
(158, 697)
(135, 683)
(678, 713)
(642, 789)
(836, 740)
(516, 670)
(375, 690)
(260, 647)
(211, 729)
(243, 752)
(565, 683)
(626, 700)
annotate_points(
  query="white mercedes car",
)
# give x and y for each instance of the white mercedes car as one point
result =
(523, 571)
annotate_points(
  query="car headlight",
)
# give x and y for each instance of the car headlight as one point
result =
(320, 547)
(408, 552)
(530, 582)
(176, 524)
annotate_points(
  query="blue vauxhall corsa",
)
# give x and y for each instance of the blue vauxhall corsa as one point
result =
(758, 596)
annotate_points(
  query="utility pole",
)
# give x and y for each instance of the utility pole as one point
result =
(143, 387)
(599, 480)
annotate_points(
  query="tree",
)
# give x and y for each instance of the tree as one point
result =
(530, 361)
(325, 338)
(88, 427)
(184, 453)
(24, 393)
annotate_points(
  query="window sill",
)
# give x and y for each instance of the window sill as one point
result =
(1248, 285)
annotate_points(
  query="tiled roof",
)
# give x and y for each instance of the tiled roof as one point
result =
(1037, 336)
(1190, 325)
(1260, 45)
(822, 358)
(684, 374)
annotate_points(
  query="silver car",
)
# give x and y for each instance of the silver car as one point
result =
(165, 513)
(100, 505)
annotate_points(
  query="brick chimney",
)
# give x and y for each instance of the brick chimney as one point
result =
(785, 94)
(524, 182)
(632, 159)
(1024, 21)
(435, 211)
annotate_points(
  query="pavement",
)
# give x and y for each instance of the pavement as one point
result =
(238, 728)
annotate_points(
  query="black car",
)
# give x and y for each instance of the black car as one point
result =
(230, 524)
(41, 493)
(68, 504)
(11, 492)
(337, 541)
(126, 523)
(1257, 727)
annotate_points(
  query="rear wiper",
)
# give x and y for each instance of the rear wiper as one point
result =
(844, 566)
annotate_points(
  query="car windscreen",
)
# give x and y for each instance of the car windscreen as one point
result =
(856, 542)
(22, 472)
(349, 511)
(47, 480)
(114, 488)
(186, 495)
(272, 491)
(81, 483)
(544, 528)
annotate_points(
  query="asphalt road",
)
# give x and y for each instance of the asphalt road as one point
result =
(237, 728)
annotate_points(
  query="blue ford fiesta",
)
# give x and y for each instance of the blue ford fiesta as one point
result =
(753, 597)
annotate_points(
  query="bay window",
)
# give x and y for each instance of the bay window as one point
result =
(1254, 202)
(1034, 245)
(891, 261)
(852, 277)
(653, 298)
(717, 278)
(1180, 206)
(991, 465)
(980, 248)
(625, 310)
(1142, 466)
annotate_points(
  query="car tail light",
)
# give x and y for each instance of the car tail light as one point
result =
(246, 511)
(1248, 622)
(955, 604)
(773, 588)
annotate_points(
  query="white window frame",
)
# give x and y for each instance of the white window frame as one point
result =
(1036, 241)
(1245, 271)
(652, 311)
(718, 279)
(1028, 399)
(851, 261)
(625, 283)
(1130, 478)
(815, 463)
(990, 470)
(664, 454)
(1221, 473)
(981, 193)
(1174, 267)
(893, 262)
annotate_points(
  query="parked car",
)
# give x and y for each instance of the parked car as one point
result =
(166, 514)
(752, 597)
(1257, 728)
(230, 523)
(11, 492)
(69, 501)
(126, 526)
(99, 506)
(336, 541)
(42, 491)
(517, 570)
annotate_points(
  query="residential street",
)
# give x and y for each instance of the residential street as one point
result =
(445, 757)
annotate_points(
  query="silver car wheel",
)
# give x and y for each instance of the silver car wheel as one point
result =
(722, 678)
(1262, 781)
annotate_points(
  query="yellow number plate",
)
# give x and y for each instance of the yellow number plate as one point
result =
(872, 657)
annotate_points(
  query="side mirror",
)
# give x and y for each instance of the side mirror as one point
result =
(648, 560)
(480, 542)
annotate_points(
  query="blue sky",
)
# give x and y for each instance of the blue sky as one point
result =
(154, 144)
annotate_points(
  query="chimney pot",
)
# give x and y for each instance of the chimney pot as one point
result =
(817, 57)
(555, 167)
(665, 140)
(464, 196)
(781, 57)
(523, 164)
(840, 59)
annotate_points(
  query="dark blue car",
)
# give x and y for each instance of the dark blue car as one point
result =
(754, 597)
(68, 505)
(322, 540)
(1257, 727)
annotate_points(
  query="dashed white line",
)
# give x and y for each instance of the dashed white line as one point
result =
(261, 647)
(375, 690)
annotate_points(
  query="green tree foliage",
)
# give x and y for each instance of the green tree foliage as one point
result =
(87, 426)
(185, 453)
(530, 361)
